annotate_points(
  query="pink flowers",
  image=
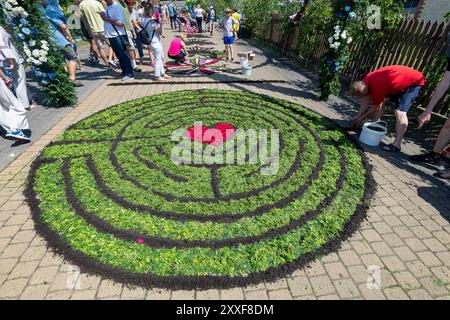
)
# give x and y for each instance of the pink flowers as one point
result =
(140, 240)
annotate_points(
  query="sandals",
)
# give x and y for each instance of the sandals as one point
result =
(429, 157)
(390, 148)
(443, 174)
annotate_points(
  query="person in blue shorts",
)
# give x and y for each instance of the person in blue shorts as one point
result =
(228, 22)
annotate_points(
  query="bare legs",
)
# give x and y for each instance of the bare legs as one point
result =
(443, 138)
(229, 51)
(400, 127)
(72, 67)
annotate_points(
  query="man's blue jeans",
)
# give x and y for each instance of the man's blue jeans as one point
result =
(119, 46)
(139, 46)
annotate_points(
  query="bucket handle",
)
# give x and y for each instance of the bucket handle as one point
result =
(378, 122)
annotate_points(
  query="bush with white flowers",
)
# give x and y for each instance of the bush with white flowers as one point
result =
(30, 37)
(350, 24)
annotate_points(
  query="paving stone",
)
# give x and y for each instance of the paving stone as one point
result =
(59, 295)
(256, 295)
(34, 253)
(34, 292)
(406, 280)
(434, 245)
(371, 235)
(23, 269)
(321, 285)
(419, 294)
(44, 275)
(158, 294)
(387, 279)
(371, 259)
(405, 254)
(381, 227)
(24, 236)
(332, 257)
(346, 288)
(212, 294)
(83, 295)
(314, 269)
(6, 265)
(444, 257)
(133, 293)
(403, 232)
(232, 294)
(349, 258)
(17, 219)
(9, 231)
(108, 288)
(395, 293)
(371, 294)
(361, 247)
(421, 232)
(398, 211)
(442, 273)
(429, 259)
(64, 281)
(434, 286)
(442, 236)
(183, 295)
(300, 286)
(14, 250)
(282, 294)
(393, 263)
(279, 284)
(381, 248)
(89, 282)
(430, 225)
(51, 260)
(415, 244)
(336, 270)
(12, 288)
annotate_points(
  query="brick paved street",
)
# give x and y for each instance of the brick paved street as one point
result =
(406, 234)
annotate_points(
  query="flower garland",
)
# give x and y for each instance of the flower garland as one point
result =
(339, 41)
(30, 37)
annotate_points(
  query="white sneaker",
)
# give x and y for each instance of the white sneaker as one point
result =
(126, 79)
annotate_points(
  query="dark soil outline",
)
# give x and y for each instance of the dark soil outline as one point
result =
(91, 266)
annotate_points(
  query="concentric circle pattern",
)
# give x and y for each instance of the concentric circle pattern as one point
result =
(108, 196)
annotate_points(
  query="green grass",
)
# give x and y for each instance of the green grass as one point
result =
(164, 114)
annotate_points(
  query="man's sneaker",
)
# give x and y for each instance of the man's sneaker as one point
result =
(18, 134)
(137, 69)
(127, 78)
(429, 157)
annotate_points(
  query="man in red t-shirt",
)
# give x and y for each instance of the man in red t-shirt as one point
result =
(400, 84)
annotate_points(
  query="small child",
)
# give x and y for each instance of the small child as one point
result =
(178, 50)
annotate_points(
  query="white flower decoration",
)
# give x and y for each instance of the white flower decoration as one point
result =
(36, 53)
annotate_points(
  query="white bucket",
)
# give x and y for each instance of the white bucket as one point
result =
(246, 71)
(373, 137)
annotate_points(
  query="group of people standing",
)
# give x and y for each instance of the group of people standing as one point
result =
(124, 27)
(196, 16)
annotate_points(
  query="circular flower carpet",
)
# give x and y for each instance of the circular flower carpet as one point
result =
(112, 197)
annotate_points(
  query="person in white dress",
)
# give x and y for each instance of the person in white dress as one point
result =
(12, 106)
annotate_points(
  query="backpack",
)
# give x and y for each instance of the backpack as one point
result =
(144, 35)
